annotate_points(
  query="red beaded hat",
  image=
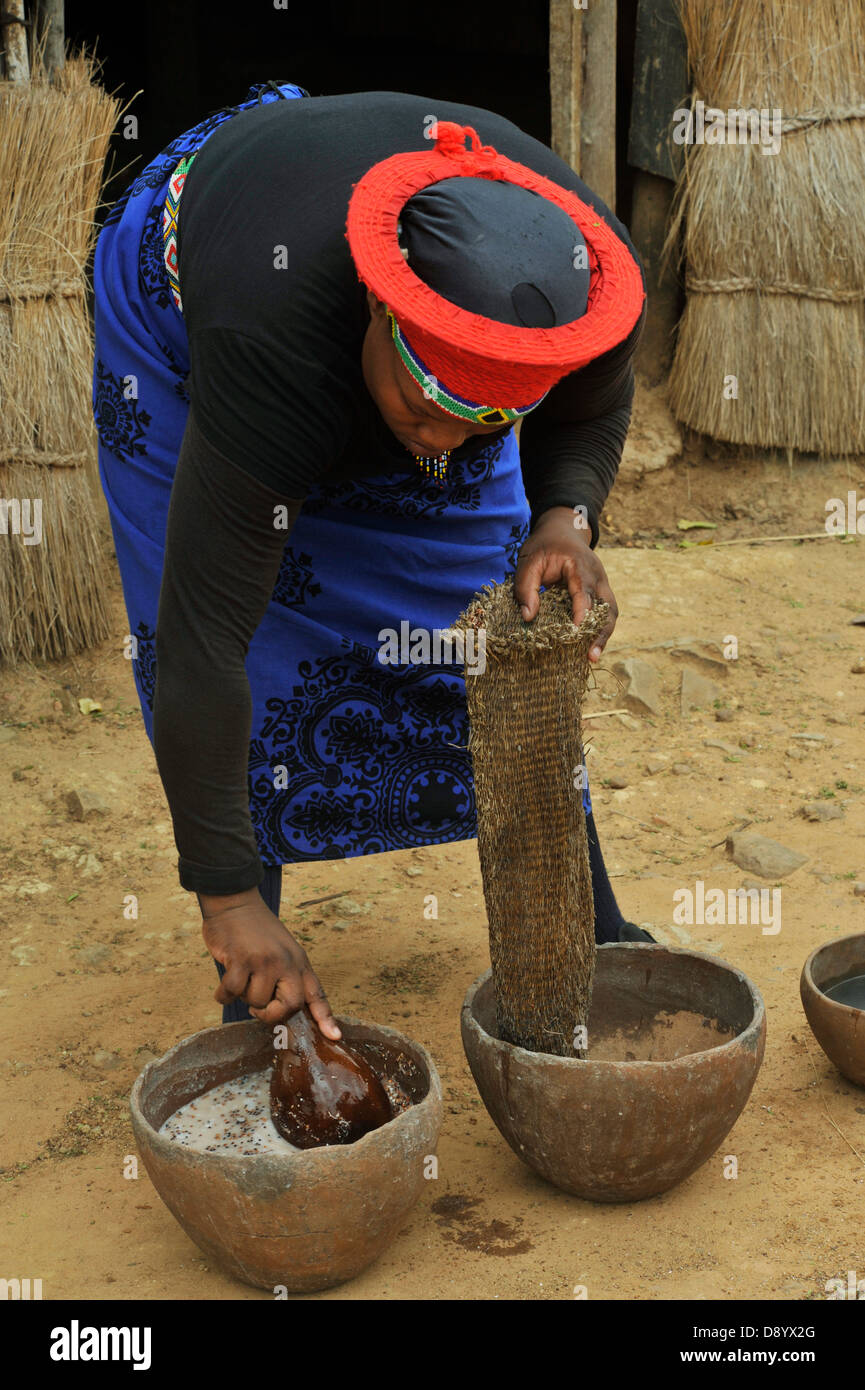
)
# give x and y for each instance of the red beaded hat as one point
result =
(477, 359)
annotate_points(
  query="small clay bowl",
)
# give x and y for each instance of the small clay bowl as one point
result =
(679, 1038)
(838, 1028)
(305, 1219)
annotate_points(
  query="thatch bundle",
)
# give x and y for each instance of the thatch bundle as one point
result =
(53, 141)
(775, 242)
(526, 747)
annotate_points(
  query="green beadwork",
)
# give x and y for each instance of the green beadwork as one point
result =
(434, 391)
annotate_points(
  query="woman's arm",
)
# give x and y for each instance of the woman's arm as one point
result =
(571, 446)
(222, 556)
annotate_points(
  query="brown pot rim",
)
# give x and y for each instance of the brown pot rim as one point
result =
(750, 1034)
(327, 1153)
(807, 976)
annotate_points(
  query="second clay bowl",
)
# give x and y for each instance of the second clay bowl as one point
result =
(676, 1039)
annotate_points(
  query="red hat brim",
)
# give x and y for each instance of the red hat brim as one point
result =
(500, 364)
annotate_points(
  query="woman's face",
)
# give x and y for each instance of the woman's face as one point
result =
(418, 423)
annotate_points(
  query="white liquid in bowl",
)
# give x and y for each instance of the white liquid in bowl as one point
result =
(233, 1119)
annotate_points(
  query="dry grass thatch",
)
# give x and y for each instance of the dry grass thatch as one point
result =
(526, 745)
(53, 141)
(774, 243)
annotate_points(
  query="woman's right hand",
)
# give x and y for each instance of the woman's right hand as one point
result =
(264, 965)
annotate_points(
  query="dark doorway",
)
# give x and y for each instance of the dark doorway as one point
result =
(194, 57)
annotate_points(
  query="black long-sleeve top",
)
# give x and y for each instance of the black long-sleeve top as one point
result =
(276, 316)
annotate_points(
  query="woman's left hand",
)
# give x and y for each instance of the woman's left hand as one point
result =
(558, 551)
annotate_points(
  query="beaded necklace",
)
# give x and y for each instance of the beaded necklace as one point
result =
(435, 466)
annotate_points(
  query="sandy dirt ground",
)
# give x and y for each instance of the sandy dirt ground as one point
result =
(88, 997)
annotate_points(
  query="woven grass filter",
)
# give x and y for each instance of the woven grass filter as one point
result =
(54, 136)
(774, 243)
(526, 747)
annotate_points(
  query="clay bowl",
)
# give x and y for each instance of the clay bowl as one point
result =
(658, 1096)
(838, 1028)
(306, 1219)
